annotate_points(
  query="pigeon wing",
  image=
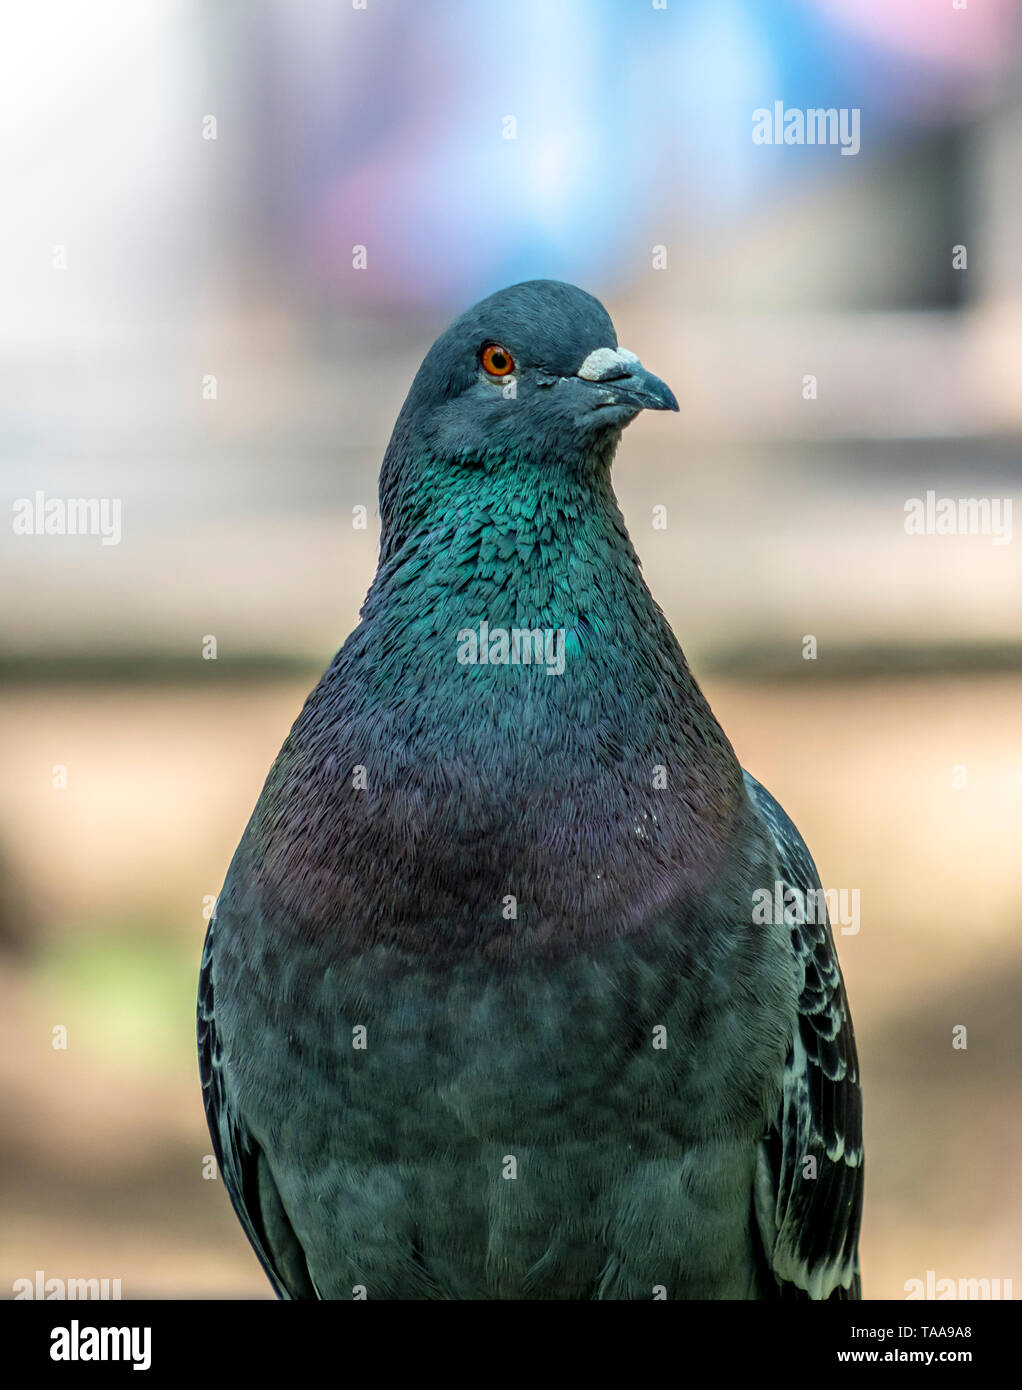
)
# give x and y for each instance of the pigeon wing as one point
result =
(809, 1213)
(245, 1170)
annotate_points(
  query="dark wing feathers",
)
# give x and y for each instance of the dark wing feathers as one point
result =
(810, 1225)
(244, 1168)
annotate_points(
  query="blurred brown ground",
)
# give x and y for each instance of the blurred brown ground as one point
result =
(101, 1175)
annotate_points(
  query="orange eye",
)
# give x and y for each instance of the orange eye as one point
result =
(497, 360)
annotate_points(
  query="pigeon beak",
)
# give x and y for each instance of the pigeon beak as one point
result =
(623, 380)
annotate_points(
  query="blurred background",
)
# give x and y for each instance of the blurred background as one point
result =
(230, 232)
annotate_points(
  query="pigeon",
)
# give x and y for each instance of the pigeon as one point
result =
(518, 987)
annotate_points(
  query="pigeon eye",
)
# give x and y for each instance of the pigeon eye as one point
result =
(497, 360)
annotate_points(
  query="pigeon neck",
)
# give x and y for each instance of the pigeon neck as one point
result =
(537, 575)
(531, 544)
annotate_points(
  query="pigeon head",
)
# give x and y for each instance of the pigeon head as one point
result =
(531, 378)
(534, 368)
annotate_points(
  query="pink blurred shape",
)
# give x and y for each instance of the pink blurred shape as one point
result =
(982, 36)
